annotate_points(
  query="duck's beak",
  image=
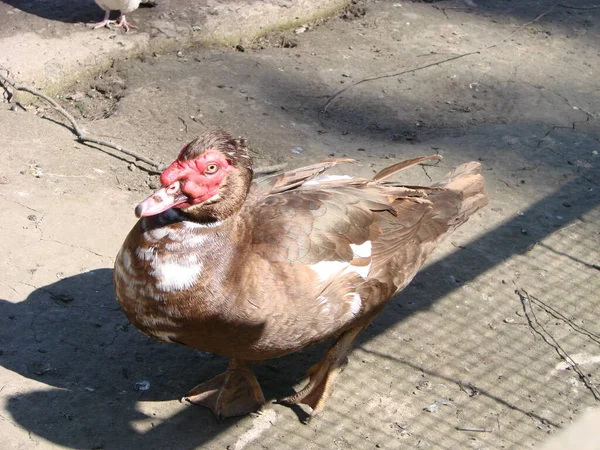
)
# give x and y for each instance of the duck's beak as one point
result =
(161, 200)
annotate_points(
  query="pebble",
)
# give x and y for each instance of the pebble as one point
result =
(431, 408)
(142, 386)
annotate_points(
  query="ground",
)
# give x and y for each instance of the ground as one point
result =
(494, 345)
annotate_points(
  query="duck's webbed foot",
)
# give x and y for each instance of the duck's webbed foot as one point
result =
(233, 393)
(321, 377)
(105, 22)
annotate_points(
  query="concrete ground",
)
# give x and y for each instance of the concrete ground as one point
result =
(496, 342)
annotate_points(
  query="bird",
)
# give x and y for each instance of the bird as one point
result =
(255, 269)
(124, 7)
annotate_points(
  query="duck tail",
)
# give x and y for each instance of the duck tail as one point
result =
(467, 181)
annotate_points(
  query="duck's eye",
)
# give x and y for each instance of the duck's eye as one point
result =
(211, 168)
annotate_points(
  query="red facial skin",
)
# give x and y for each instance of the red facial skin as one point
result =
(187, 183)
(196, 183)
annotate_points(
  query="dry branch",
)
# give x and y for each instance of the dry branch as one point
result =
(527, 302)
(436, 63)
(84, 137)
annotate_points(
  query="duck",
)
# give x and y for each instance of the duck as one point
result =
(254, 269)
(124, 7)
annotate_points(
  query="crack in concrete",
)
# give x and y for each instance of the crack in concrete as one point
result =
(25, 206)
(425, 171)
(12, 289)
(75, 246)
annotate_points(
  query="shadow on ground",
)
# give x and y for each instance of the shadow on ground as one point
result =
(60, 10)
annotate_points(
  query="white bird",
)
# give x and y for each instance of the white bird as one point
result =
(124, 7)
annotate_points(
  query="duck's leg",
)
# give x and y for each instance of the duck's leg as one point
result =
(233, 393)
(105, 22)
(321, 377)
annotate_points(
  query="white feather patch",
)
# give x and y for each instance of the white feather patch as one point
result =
(355, 302)
(158, 233)
(192, 225)
(361, 251)
(324, 178)
(172, 276)
(326, 270)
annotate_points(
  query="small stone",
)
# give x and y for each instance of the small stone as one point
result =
(431, 408)
(142, 386)
(40, 369)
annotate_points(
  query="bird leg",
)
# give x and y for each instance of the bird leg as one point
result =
(105, 22)
(233, 393)
(321, 376)
(122, 22)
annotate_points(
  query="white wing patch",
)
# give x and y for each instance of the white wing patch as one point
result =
(355, 302)
(326, 270)
(361, 251)
(324, 178)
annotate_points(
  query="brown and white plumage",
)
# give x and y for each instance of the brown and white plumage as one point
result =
(124, 7)
(257, 270)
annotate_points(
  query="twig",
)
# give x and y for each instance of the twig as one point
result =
(584, 8)
(426, 66)
(184, 124)
(558, 315)
(20, 105)
(536, 326)
(477, 430)
(396, 74)
(82, 135)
